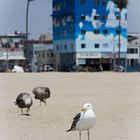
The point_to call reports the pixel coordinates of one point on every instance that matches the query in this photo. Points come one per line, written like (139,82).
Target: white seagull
(83,120)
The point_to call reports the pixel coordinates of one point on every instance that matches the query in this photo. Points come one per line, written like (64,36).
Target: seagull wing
(75,120)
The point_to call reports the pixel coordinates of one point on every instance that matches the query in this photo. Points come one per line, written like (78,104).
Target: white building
(43,55)
(11,51)
(133,50)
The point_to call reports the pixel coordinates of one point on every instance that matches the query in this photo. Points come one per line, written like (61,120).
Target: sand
(115,98)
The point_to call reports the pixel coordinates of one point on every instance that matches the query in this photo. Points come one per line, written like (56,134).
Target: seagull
(24,100)
(84,120)
(41,93)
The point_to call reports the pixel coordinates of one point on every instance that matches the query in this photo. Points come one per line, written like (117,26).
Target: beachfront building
(40,53)
(86,32)
(11,51)
(133,51)
(43,55)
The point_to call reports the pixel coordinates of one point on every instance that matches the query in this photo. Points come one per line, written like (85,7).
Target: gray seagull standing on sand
(83,120)
(41,93)
(24,100)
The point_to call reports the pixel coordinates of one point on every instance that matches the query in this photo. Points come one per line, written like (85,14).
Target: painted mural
(110,39)
(67,24)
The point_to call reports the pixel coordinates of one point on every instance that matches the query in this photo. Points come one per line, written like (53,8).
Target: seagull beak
(82,109)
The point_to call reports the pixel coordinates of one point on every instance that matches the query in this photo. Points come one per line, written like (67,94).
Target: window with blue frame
(83,32)
(83,45)
(96,31)
(97,45)
(82,1)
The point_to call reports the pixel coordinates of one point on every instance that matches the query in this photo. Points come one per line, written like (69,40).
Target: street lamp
(27,15)
(7,55)
(121,4)
(139,56)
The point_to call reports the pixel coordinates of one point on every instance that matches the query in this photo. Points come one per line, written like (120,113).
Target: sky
(13,15)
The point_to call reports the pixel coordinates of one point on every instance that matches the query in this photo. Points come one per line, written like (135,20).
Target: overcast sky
(12,16)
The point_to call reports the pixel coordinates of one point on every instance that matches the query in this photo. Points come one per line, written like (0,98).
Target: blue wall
(68,26)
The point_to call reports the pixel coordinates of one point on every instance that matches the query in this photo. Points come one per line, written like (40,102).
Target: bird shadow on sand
(24,115)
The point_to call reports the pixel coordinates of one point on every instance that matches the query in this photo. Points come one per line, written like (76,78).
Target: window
(47,54)
(118,31)
(83,31)
(72,46)
(43,55)
(83,17)
(35,52)
(57,34)
(105,31)
(35,63)
(39,55)
(64,4)
(30,53)
(65,33)
(71,32)
(105,45)
(96,17)
(16,44)
(61,47)
(104,2)
(82,1)
(96,45)
(65,46)
(132,50)
(136,50)
(96,31)
(83,45)
(57,47)
(96,2)
(117,17)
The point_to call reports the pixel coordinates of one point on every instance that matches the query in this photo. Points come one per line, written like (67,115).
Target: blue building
(86,33)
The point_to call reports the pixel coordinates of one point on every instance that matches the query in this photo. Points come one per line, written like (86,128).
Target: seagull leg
(79,135)
(27,110)
(21,111)
(88,135)
(40,102)
(45,101)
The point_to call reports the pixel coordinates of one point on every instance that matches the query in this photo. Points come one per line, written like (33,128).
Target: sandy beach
(115,98)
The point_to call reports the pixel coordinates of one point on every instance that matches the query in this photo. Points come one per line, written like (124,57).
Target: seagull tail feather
(69,130)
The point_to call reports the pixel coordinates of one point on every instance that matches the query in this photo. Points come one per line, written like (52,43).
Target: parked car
(119,68)
(47,68)
(1,69)
(17,69)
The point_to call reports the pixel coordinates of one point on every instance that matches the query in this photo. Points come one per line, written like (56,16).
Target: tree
(121,4)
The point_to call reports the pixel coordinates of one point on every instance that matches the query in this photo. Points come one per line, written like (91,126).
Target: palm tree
(121,4)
